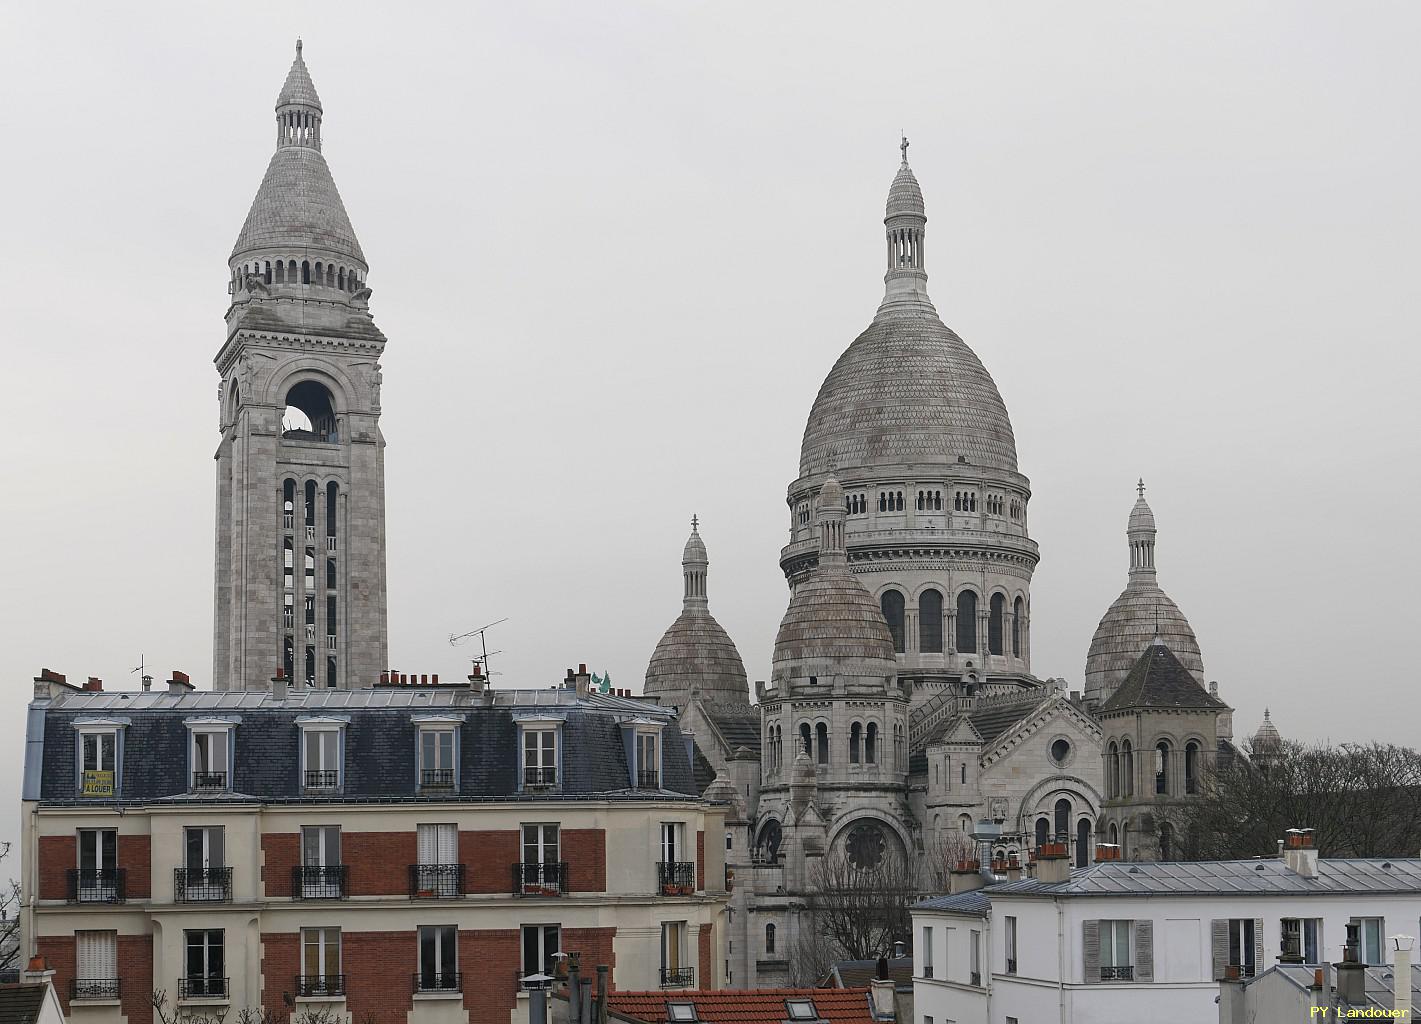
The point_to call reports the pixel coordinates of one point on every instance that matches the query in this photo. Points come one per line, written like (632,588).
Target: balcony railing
(1117,974)
(676,878)
(436,778)
(425,982)
(319,881)
(97,885)
(648,779)
(678,977)
(202,885)
(316,986)
(330,543)
(202,988)
(540,878)
(540,778)
(436,881)
(94,988)
(209,780)
(322,778)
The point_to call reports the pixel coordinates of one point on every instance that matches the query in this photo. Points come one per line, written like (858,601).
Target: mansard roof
(380,744)
(1158,680)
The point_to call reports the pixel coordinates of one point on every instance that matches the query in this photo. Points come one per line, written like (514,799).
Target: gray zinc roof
(1223,878)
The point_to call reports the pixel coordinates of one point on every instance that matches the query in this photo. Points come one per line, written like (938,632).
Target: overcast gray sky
(617,246)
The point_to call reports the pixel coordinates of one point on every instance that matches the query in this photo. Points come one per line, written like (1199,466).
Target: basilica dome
(695,653)
(1141,613)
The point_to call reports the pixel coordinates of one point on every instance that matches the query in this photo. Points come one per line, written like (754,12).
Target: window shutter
(97,955)
(629,745)
(1219,940)
(1090,947)
(1144,951)
(428,838)
(448,844)
(1258,961)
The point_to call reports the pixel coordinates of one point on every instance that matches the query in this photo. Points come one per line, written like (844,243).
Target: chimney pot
(581,669)
(435,677)
(384,678)
(94,684)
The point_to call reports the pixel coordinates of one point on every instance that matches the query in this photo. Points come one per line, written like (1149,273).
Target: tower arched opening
(310,413)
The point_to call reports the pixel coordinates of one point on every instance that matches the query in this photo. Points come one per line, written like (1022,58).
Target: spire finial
(903,146)
(1140,487)
(695,522)
(1265,714)
(298,47)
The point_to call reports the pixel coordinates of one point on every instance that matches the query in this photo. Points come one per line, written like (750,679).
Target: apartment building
(404,853)
(1128,941)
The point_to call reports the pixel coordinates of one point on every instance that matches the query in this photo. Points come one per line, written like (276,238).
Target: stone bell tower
(300,580)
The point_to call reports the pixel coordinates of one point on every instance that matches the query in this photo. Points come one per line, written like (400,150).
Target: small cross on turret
(1140,487)
(903,148)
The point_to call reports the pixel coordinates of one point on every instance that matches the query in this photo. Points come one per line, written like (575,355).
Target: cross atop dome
(1140,487)
(902,146)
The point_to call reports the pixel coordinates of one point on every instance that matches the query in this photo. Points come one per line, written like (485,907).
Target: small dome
(1267,740)
(695,549)
(904,195)
(696,652)
(1141,614)
(832,619)
(298,88)
(1141,517)
(831,495)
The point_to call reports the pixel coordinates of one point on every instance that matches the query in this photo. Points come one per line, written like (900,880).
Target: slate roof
(1380,984)
(858,973)
(296,206)
(21,1004)
(702,771)
(991,720)
(380,740)
(1269,877)
(1158,680)
(738,723)
(757,1006)
(974,902)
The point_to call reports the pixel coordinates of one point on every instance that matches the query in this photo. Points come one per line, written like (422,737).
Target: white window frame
(322,944)
(1009,935)
(674,949)
(1241,933)
(96,889)
(643,739)
(927,951)
(320,729)
(1377,925)
(442,741)
(113,731)
(211,727)
(546,955)
(95,962)
(1116,950)
(439,931)
(546,752)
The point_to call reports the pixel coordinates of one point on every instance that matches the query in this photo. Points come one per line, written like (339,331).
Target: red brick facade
(379,969)
(60,953)
(281,852)
(706,978)
(135,972)
(491,961)
(596,947)
(135,856)
(488,857)
(700,861)
(57,854)
(585,850)
(378,862)
(281,962)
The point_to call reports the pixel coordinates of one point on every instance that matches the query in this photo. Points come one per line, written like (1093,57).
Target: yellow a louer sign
(98,784)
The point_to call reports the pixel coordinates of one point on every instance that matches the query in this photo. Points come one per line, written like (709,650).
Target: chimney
(1351,974)
(1232,1008)
(584,681)
(604,978)
(147,681)
(1106,851)
(570,682)
(94,685)
(180,683)
(965,876)
(882,993)
(49,685)
(1013,867)
(278,684)
(1401,972)
(38,972)
(1053,861)
(1299,853)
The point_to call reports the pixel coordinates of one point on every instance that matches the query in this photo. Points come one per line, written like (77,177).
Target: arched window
(280,272)
(331,670)
(870,744)
(1018,608)
(1043,831)
(964,773)
(290,271)
(310,675)
(311,503)
(964,821)
(330,574)
(288,504)
(1083,843)
(286,657)
(1112,770)
(1191,768)
(897,748)
(930,622)
(821,735)
(967,622)
(310,413)
(769,938)
(994,624)
(804,735)
(305,271)
(1162,767)
(1127,769)
(1114,834)
(340,279)
(892,604)
(332,490)
(1063,817)
(1166,841)
(855,741)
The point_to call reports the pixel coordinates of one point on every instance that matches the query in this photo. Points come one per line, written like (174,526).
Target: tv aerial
(456,639)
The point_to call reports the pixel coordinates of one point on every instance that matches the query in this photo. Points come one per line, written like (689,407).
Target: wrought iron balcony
(436,778)
(97,885)
(648,778)
(209,780)
(1117,974)
(436,881)
(678,977)
(203,988)
(676,877)
(319,881)
(429,982)
(540,778)
(202,885)
(316,986)
(322,778)
(94,988)
(540,878)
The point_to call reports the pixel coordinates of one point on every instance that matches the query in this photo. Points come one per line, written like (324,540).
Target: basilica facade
(902,717)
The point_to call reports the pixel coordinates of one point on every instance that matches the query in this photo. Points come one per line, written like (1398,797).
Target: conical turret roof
(298,88)
(1158,680)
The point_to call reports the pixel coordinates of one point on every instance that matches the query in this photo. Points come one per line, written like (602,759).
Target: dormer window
(540,757)
(98,763)
(321,761)
(801,1009)
(211,751)
(436,758)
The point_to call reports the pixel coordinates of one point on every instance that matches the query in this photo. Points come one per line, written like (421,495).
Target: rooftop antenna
(143,675)
(455,639)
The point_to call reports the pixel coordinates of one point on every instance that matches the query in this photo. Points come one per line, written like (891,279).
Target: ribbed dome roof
(1127,630)
(297,206)
(695,549)
(696,652)
(298,87)
(831,617)
(908,390)
(1141,516)
(1267,739)
(904,195)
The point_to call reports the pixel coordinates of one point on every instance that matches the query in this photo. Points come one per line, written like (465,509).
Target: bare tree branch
(9,918)
(864,910)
